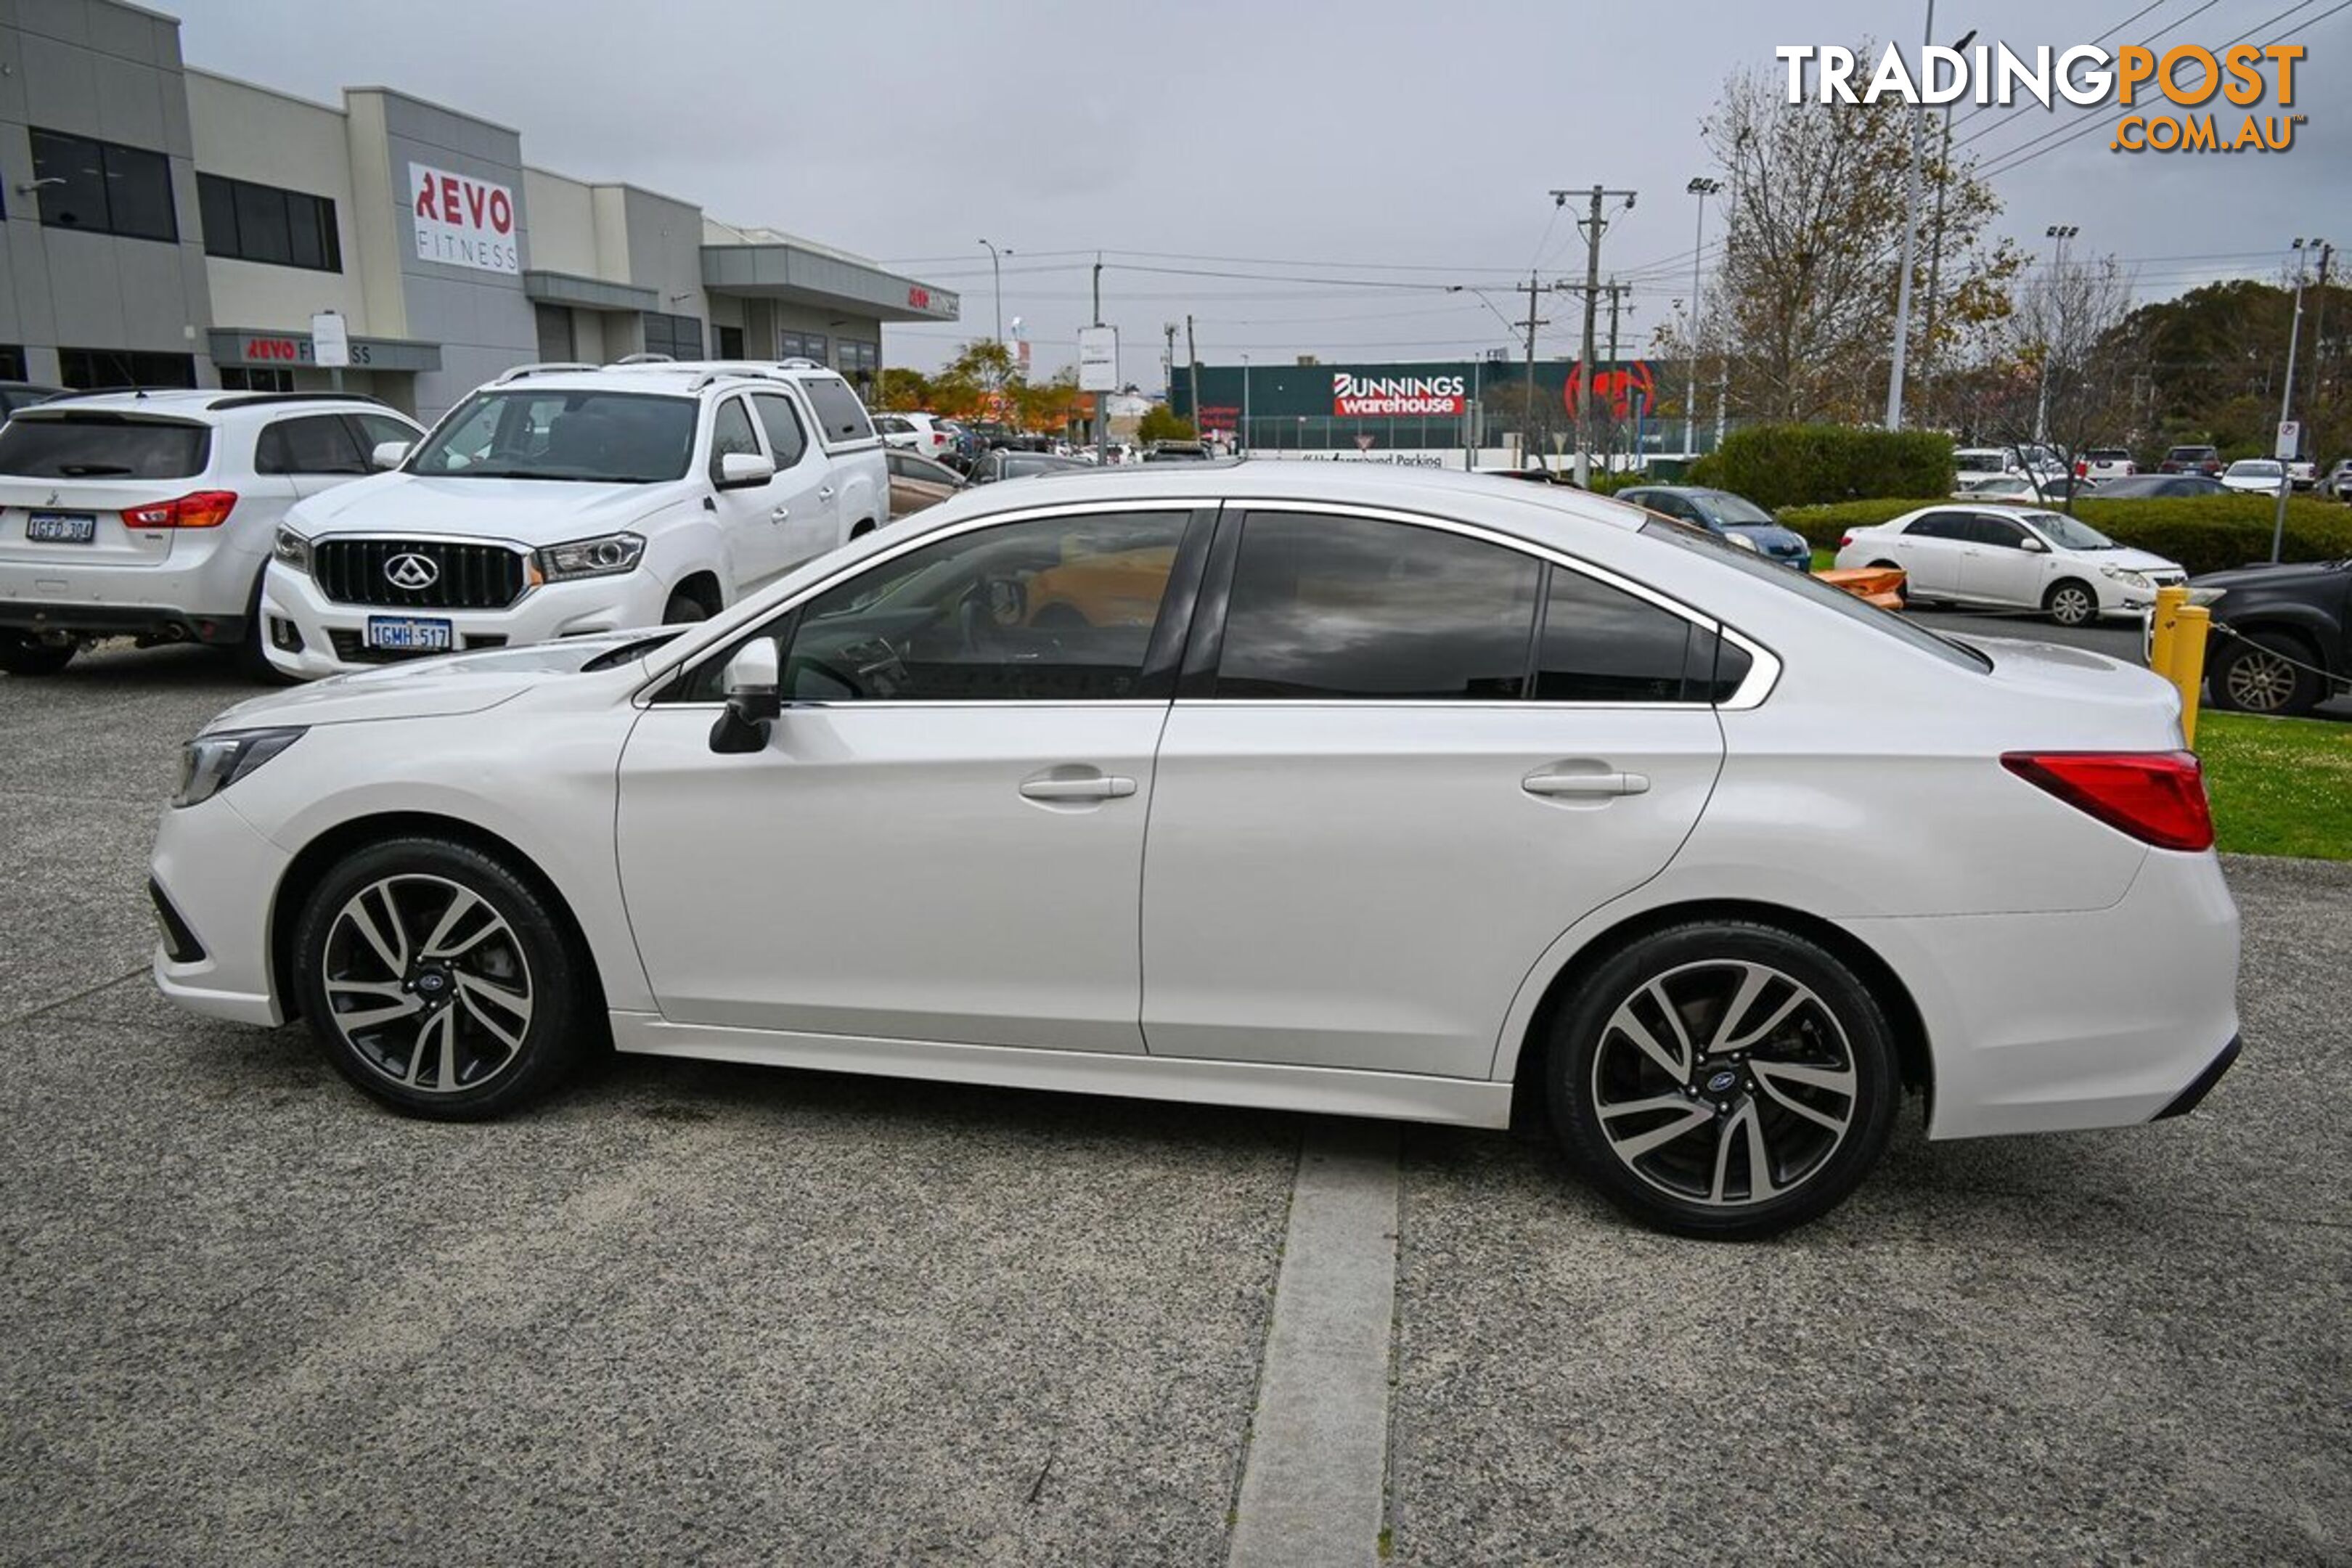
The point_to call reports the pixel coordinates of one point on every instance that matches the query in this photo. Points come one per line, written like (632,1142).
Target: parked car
(2303,473)
(150,514)
(559,500)
(2160,487)
(2206,460)
(2013,557)
(2105,463)
(2259,475)
(2283,635)
(1478,795)
(924,434)
(1178,452)
(1006,464)
(1982,463)
(1735,518)
(2033,488)
(917,483)
(16,395)
(2337,482)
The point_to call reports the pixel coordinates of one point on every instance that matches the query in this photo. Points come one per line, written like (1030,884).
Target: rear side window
(1357,609)
(315,444)
(838,413)
(1939,525)
(1601,644)
(103,445)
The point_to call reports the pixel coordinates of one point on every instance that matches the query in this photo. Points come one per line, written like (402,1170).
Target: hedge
(1798,465)
(2204,534)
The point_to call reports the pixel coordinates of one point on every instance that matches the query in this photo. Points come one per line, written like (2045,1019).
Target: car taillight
(201,508)
(1844,539)
(2082,469)
(2158,797)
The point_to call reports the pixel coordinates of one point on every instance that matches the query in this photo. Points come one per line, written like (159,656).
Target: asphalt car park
(695,1311)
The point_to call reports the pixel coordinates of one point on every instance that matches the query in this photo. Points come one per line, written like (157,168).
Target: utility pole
(1701,187)
(1527,415)
(1168,361)
(2318,326)
(1936,231)
(1595,226)
(1192,365)
(1102,399)
(2286,398)
(1910,252)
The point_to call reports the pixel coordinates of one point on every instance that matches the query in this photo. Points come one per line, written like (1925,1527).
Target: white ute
(562,500)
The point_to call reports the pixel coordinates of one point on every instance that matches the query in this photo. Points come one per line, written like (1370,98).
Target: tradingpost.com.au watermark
(2153,84)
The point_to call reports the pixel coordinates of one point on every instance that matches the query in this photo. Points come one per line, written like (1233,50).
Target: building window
(730,342)
(858,359)
(558,343)
(103,187)
(237,378)
(12,363)
(245,222)
(680,337)
(802,345)
(87,369)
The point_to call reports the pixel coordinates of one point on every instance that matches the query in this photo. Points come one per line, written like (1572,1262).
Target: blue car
(1734,517)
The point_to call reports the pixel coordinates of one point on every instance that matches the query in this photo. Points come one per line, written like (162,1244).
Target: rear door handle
(778,514)
(824,492)
(1100,788)
(1585,786)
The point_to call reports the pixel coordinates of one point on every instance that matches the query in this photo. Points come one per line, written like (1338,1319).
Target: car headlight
(210,763)
(2125,575)
(290,549)
(607,556)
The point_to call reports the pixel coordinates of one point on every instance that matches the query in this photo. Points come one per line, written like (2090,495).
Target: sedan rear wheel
(437,981)
(1724,1079)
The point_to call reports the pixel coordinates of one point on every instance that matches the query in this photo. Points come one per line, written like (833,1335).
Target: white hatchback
(1316,786)
(2012,557)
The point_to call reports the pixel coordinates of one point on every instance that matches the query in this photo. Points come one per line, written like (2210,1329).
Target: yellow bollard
(2187,671)
(2163,625)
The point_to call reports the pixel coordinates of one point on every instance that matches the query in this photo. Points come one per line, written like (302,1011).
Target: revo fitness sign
(461,221)
(1396,395)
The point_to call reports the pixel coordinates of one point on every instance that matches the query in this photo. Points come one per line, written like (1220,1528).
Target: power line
(2001,125)
(2102,38)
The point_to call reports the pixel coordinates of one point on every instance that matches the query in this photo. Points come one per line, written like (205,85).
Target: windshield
(103,445)
(2067,533)
(1814,588)
(582,437)
(2254,468)
(1730,508)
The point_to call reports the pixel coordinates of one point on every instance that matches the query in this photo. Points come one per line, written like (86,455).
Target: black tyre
(1723,1080)
(23,655)
(2262,672)
(683,607)
(2071,602)
(439,981)
(252,654)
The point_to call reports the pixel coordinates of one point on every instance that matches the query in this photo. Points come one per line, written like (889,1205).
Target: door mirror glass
(389,454)
(742,471)
(752,703)
(2032,546)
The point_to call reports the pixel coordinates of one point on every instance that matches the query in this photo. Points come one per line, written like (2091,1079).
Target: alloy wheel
(1726,1083)
(427,983)
(2259,681)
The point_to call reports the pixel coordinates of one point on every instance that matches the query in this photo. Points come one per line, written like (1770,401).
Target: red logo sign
(1626,389)
(918,299)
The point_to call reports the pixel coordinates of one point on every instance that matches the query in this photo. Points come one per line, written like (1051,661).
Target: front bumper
(215,872)
(309,636)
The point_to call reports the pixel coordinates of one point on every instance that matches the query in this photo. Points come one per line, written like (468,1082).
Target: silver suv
(150,514)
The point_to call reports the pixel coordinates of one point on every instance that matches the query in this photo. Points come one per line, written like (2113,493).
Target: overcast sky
(1316,143)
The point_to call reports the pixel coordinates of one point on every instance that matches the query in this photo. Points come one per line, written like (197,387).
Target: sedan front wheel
(437,981)
(1724,1079)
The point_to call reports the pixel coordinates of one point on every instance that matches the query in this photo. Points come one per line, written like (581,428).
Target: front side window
(103,187)
(584,438)
(1996,532)
(1357,609)
(787,442)
(1050,610)
(730,432)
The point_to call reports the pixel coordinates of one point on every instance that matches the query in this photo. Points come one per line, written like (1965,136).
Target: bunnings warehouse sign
(1400,404)
(1388,396)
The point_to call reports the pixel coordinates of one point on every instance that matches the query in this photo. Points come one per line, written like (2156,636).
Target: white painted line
(1312,1486)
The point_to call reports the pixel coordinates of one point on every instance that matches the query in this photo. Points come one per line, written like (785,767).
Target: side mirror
(389,454)
(751,683)
(2033,546)
(742,470)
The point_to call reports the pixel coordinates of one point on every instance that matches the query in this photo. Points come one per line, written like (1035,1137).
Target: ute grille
(466,577)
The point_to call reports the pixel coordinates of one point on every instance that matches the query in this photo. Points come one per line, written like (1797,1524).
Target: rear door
(1931,553)
(806,511)
(66,480)
(1405,757)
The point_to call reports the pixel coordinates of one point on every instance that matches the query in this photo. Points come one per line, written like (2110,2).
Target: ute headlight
(290,549)
(210,763)
(607,556)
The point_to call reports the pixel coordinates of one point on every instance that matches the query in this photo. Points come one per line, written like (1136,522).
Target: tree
(1803,305)
(2073,368)
(902,388)
(974,383)
(1160,423)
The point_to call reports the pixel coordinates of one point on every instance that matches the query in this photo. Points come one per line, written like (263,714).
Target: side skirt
(1334,1091)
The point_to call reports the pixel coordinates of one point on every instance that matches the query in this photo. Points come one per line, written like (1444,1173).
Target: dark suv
(2279,635)
(2206,460)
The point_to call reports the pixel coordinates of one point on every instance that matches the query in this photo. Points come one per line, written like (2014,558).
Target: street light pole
(1701,187)
(2286,398)
(2062,233)
(997,273)
(1243,436)
(1910,254)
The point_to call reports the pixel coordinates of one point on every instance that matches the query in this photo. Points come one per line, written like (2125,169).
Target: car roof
(183,402)
(674,378)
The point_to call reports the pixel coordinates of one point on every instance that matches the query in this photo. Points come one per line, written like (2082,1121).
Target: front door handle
(1585,786)
(778,514)
(824,492)
(1102,786)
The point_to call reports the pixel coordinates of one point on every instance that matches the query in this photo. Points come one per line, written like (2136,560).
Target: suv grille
(464,576)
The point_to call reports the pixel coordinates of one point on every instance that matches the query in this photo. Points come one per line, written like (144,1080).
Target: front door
(1390,794)
(943,837)
(1999,569)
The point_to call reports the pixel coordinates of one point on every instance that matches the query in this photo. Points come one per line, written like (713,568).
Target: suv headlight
(291,549)
(210,763)
(607,556)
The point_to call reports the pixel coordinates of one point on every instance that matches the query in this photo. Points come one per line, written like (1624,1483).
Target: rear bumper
(150,623)
(2188,1099)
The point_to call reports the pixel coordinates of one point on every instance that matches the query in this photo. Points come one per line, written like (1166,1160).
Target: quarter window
(1355,609)
(103,187)
(1050,610)
(839,415)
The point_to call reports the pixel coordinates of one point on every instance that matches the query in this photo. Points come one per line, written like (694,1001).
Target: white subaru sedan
(1314,786)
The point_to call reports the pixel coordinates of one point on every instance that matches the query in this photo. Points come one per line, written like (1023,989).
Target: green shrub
(2204,534)
(1798,465)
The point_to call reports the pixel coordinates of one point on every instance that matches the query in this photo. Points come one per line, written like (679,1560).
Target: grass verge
(2279,787)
